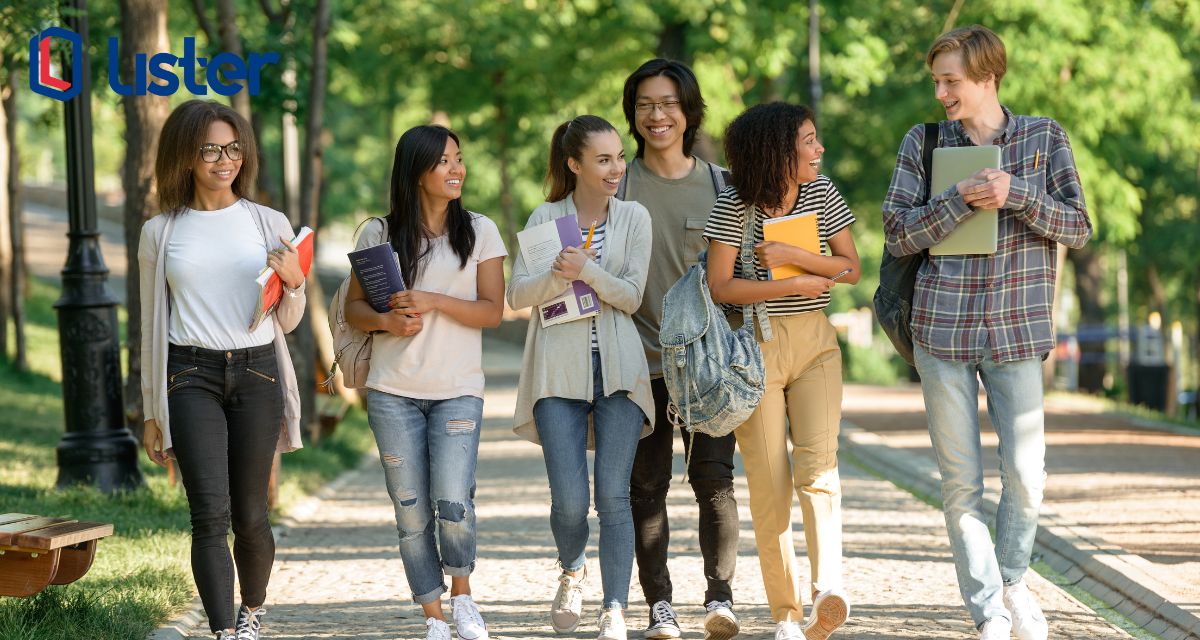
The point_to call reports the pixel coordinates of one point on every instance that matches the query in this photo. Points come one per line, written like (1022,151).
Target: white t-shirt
(445,359)
(213,259)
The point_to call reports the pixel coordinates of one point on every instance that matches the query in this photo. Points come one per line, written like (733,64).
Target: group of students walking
(222,400)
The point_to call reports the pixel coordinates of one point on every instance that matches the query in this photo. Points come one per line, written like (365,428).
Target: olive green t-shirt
(678,211)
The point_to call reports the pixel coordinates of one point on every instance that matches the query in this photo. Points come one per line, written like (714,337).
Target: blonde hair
(982,52)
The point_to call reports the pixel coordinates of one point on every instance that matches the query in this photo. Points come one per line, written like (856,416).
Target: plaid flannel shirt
(969,305)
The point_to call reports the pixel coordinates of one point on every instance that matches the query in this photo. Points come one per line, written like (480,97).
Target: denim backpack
(713,374)
(898,276)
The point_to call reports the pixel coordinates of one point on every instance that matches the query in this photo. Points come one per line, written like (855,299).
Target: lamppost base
(107,460)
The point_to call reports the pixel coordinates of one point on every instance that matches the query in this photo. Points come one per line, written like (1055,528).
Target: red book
(270,285)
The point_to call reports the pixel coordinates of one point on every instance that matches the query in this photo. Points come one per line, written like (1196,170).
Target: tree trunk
(814,59)
(672,42)
(1089,283)
(312,336)
(504,143)
(16,224)
(231,41)
(143,30)
(5,220)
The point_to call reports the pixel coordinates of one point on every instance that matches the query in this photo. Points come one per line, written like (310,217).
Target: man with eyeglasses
(664,108)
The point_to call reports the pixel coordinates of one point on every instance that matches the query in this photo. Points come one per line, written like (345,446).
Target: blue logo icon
(41,78)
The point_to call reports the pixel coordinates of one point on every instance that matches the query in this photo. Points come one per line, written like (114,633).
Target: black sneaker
(663,621)
(248,623)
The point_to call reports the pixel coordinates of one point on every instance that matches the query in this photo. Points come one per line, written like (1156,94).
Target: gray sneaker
(663,622)
(248,623)
(567,607)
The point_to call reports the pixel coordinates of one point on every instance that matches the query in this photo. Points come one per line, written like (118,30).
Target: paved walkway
(338,574)
(1133,487)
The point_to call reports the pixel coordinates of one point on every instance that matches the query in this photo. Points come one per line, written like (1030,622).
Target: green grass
(141,576)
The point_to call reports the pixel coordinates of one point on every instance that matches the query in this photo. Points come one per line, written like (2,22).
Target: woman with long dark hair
(585,384)
(775,157)
(425,398)
(219,398)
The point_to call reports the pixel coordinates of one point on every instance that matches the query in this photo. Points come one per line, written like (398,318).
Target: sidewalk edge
(1072,550)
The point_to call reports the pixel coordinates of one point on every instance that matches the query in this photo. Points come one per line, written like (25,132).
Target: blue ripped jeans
(429,449)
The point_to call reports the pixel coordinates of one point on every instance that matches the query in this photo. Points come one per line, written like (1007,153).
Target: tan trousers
(802,403)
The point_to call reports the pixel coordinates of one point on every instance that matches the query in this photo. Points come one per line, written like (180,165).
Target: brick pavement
(338,574)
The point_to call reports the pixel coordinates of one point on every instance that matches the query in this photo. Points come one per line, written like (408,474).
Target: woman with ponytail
(425,398)
(585,384)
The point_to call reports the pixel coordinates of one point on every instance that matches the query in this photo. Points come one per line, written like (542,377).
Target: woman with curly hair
(775,158)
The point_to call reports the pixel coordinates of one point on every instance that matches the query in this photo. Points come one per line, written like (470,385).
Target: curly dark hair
(760,146)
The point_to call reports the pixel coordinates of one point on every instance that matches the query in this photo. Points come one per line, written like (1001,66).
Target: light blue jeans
(1014,401)
(562,426)
(429,449)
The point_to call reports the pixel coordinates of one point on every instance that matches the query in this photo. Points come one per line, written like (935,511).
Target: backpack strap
(720,177)
(757,309)
(932,133)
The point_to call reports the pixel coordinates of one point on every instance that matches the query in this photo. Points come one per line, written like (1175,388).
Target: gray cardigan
(156,312)
(558,361)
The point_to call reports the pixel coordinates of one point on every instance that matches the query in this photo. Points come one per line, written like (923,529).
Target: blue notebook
(378,271)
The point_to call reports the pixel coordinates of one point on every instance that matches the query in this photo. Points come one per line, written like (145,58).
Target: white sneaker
(1027,618)
(788,630)
(612,625)
(663,622)
(437,629)
(568,602)
(829,612)
(468,622)
(995,629)
(719,622)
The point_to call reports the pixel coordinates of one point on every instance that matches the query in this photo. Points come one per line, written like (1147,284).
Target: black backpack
(898,276)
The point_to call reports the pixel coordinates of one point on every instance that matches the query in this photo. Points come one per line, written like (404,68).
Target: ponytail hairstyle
(418,153)
(569,141)
(760,146)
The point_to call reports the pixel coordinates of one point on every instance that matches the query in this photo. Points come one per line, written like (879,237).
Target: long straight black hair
(418,153)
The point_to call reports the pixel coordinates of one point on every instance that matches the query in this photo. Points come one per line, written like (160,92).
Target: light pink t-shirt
(445,359)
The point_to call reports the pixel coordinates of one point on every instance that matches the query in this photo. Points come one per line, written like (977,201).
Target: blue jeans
(562,426)
(1014,401)
(429,449)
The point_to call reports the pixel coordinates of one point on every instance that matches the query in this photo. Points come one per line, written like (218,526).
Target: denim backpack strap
(758,309)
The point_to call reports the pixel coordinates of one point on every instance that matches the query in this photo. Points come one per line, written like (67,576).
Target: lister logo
(41,78)
(156,74)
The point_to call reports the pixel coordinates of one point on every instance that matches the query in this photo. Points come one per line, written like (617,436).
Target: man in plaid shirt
(987,315)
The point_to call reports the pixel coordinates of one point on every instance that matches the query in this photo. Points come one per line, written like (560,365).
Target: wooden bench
(36,551)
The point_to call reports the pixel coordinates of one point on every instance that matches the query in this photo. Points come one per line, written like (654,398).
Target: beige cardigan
(558,360)
(156,300)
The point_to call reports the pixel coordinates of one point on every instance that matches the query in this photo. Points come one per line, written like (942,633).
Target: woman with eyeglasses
(218,397)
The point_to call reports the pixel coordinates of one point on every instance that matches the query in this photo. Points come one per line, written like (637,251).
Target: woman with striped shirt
(585,384)
(803,395)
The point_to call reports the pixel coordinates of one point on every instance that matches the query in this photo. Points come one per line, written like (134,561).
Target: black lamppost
(96,449)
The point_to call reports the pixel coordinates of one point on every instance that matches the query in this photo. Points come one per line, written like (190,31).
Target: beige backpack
(351,347)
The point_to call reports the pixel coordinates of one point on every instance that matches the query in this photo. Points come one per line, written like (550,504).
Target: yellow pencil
(1037,156)
(591,230)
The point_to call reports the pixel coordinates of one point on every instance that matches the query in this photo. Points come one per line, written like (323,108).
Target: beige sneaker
(830,610)
(568,602)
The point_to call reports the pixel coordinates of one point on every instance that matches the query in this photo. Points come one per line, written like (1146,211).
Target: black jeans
(226,408)
(711,475)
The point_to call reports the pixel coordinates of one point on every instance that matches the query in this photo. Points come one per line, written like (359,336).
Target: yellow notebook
(798,230)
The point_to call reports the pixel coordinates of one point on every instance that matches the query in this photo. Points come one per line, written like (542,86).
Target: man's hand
(987,189)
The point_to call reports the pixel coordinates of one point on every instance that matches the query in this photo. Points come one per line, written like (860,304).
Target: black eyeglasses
(212,152)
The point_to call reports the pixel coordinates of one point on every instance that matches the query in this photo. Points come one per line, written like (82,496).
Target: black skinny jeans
(226,408)
(711,476)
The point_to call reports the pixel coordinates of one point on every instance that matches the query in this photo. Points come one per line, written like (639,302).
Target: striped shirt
(965,306)
(598,245)
(819,196)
